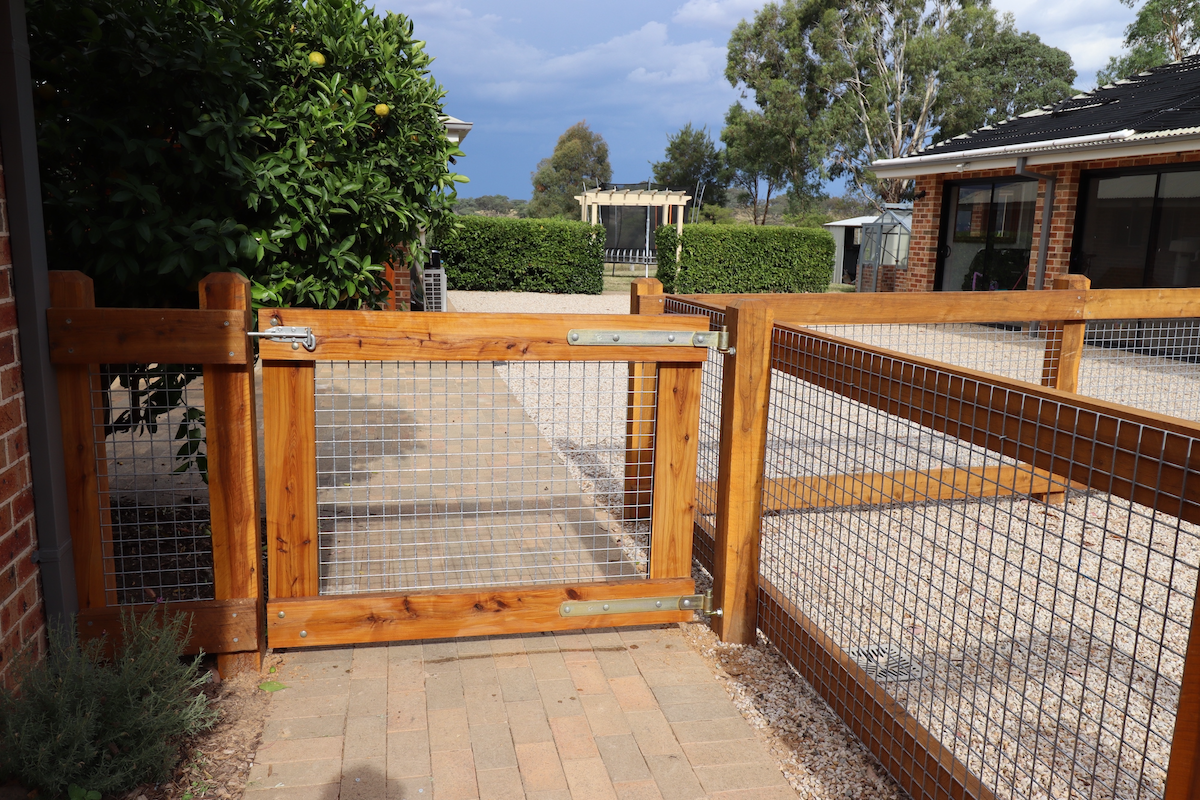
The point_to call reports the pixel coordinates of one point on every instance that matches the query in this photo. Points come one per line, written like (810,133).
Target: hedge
(719,259)
(497,254)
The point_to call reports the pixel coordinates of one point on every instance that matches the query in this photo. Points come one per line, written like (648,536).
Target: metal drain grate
(885,663)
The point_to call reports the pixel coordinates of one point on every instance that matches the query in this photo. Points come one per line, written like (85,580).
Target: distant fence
(990,579)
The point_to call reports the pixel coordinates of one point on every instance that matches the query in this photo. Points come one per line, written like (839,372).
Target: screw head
(658,604)
(70,349)
(235,640)
(295,345)
(225,323)
(566,610)
(670,337)
(281,615)
(235,614)
(616,337)
(303,634)
(606,606)
(231,354)
(574,336)
(68,320)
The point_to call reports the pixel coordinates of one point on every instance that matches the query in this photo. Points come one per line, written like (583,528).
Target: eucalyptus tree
(1162,31)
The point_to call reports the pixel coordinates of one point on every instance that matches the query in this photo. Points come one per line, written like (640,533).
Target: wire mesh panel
(710,434)
(468,474)
(1012,350)
(1152,364)
(153,491)
(1040,645)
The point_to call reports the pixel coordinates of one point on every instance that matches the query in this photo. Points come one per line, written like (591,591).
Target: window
(986,236)
(1140,230)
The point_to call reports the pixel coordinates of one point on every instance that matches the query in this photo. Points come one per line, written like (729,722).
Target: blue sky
(636,70)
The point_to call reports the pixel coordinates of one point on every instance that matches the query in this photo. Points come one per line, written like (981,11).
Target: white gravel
(536,303)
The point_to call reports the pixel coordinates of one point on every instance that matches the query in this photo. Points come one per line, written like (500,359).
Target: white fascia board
(1141,147)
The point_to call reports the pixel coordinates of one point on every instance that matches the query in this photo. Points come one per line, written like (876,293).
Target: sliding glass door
(986,236)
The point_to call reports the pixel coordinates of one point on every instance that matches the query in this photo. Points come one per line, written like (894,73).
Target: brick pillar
(22,622)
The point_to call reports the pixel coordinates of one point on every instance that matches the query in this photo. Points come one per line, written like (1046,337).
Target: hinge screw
(606,606)
(566,609)
(670,337)
(616,337)
(574,336)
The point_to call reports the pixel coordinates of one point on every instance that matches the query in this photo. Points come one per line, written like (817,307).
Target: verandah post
(745,395)
(231,435)
(645,297)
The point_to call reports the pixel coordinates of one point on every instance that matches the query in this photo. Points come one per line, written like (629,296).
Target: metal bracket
(289,333)
(596,338)
(700,603)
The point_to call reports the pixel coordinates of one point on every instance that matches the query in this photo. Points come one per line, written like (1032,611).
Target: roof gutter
(882,166)
(1047,212)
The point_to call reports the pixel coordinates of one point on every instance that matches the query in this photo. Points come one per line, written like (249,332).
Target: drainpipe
(31,287)
(1039,282)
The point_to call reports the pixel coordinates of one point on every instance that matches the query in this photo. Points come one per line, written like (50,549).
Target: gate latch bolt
(289,333)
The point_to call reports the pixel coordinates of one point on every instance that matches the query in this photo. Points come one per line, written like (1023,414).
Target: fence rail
(990,578)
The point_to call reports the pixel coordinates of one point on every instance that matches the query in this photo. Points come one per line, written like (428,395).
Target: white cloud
(1090,30)
(721,14)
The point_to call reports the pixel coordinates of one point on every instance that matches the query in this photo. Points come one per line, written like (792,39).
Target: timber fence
(989,577)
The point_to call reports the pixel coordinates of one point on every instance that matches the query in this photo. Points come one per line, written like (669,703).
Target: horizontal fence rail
(991,580)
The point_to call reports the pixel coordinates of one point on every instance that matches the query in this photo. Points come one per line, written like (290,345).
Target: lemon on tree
(382,110)
(316,59)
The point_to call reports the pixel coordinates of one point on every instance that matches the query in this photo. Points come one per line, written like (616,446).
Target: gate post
(231,433)
(745,395)
(645,297)
(1060,366)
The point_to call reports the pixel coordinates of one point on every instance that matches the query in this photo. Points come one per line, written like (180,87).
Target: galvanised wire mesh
(710,434)
(468,474)
(1011,349)
(1153,364)
(153,494)
(1041,645)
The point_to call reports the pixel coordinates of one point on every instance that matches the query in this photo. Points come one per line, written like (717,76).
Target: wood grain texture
(432,614)
(745,394)
(142,335)
(289,422)
(1148,458)
(232,444)
(923,308)
(1070,347)
(218,626)
(1183,770)
(639,411)
(84,456)
(675,453)
(908,751)
(405,336)
(1141,303)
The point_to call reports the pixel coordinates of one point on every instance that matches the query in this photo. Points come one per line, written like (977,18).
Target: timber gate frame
(296,613)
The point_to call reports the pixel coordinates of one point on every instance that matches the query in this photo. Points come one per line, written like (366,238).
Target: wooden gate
(380,428)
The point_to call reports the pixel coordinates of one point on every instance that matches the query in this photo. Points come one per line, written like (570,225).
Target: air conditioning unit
(435,284)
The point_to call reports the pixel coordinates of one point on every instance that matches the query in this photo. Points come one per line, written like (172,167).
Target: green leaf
(271,686)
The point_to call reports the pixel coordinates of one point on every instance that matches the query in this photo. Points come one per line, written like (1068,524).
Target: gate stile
(299,615)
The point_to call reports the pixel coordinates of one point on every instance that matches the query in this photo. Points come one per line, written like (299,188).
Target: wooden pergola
(592,199)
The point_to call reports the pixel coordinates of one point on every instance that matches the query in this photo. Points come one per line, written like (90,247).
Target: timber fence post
(1183,767)
(745,396)
(645,297)
(84,455)
(231,433)
(1064,341)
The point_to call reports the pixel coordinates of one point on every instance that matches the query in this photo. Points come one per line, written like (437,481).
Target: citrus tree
(298,143)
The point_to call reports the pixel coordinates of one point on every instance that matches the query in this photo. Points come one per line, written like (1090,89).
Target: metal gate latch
(700,603)
(718,340)
(289,333)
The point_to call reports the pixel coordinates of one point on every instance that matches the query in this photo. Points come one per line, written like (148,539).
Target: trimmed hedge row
(720,259)
(498,254)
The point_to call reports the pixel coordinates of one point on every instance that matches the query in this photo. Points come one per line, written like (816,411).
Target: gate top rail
(172,335)
(1051,305)
(371,336)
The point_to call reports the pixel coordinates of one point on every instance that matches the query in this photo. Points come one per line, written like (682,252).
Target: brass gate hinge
(700,603)
(719,340)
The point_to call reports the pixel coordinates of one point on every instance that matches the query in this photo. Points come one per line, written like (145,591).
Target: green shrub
(104,725)
(497,254)
(744,258)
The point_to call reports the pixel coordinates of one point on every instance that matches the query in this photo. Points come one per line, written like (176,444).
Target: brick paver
(621,714)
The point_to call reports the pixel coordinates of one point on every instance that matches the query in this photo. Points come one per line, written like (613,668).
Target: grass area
(620,284)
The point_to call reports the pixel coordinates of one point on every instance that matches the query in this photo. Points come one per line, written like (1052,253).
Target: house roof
(1149,111)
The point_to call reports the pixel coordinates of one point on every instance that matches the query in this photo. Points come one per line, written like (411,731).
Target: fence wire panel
(1012,350)
(1153,364)
(153,494)
(461,474)
(707,463)
(1042,645)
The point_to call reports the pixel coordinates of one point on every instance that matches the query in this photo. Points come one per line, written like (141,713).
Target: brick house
(1121,165)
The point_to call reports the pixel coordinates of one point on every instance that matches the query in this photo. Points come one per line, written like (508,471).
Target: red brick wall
(22,623)
(927,213)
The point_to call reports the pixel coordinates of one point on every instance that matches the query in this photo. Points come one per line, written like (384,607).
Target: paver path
(630,713)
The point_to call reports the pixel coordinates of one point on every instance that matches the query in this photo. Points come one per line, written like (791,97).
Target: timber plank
(924,767)
(232,437)
(405,336)
(1138,455)
(745,396)
(148,335)
(427,614)
(640,407)
(1142,303)
(289,422)
(676,450)
(218,626)
(926,308)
